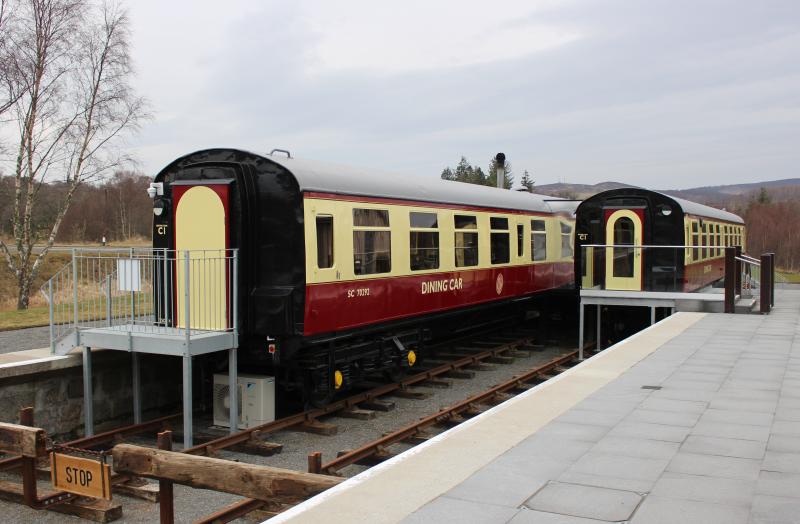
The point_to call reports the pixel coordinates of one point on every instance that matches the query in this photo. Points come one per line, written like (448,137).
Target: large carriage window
(538,240)
(372,242)
(324,241)
(520,240)
(695,241)
(623,256)
(499,240)
(566,240)
(424,241)
(719,241)
(466,241)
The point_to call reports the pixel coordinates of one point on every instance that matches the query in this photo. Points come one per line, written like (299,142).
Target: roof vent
(284,151)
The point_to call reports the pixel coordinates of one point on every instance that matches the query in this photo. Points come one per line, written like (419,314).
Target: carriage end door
(201,223)
(624,227)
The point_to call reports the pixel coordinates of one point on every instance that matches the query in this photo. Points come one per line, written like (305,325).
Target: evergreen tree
(447,174)
(526,182)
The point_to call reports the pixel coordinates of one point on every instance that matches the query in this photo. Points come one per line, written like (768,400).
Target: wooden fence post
(315,462)
(29,491)
(165,495)
(764,285)
(739,268)
(730,280)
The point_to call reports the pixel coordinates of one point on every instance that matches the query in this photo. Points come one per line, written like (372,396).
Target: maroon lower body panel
(344,305)
(701,274)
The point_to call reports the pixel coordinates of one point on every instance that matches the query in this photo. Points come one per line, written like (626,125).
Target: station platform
(694,420)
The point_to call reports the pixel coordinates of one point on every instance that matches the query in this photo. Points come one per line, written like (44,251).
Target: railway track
(468,356)
(377,451)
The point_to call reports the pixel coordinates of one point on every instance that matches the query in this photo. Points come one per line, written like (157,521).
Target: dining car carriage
(345,272)
(633,239)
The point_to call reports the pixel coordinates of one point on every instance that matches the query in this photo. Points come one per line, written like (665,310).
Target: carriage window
(466,241)
(566,240)
(623,256)
(520,240)
(704,241)
(538,240)
(499,242)
(695,241)
(372,245)
(711,241)
(324,241)
(424,241)
(370,218)
(719,241)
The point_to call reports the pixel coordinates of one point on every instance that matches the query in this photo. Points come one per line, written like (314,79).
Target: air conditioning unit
(256,400)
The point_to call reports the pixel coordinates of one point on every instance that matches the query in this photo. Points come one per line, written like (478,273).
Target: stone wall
(56,393)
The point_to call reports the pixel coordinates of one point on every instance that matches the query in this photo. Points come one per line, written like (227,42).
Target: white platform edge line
(299,509)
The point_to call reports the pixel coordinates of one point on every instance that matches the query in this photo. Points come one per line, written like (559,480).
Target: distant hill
(724,194)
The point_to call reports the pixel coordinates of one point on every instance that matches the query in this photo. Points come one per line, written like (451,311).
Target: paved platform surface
(694,420)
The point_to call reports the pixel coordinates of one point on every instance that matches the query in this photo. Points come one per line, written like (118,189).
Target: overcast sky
(660,93)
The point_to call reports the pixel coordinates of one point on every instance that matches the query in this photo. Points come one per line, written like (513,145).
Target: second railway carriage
(629,217)
(343,271)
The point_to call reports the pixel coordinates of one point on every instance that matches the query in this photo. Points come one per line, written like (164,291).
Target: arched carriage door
(624,227)
(201,228)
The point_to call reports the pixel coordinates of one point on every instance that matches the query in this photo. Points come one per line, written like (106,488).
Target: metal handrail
(144,290)
(651,246)
(749,260)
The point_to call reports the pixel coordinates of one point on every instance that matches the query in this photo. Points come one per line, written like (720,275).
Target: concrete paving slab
(783,462)
(529,516)
(649,431)
(607,481)
(669,418)
(774,510)
(715,466)
(585,501)
(678,406)
(636,447)
(456,511)
(783,443)
(573,431)
(786,427)
(729,430)
(663,510)
(726,447)
(620,466)
(778,484)
(716,490)
(753,418)
(783,413)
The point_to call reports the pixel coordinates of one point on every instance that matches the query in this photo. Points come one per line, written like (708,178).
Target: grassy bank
(38,312)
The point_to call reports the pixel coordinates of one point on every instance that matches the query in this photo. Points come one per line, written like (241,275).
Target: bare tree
(76,105)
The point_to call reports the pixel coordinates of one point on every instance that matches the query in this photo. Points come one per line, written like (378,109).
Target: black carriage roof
(687,206)
(347,180)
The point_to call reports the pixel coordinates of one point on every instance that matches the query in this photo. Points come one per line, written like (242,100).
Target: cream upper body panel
(399,225)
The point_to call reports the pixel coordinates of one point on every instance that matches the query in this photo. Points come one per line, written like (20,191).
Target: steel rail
(401,434)
(226,441)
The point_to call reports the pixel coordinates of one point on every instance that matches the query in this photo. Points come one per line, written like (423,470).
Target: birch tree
(75,107)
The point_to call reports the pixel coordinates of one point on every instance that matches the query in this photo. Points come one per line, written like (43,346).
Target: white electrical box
(256,400)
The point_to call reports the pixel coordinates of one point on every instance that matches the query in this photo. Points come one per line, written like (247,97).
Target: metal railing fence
(144,290)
